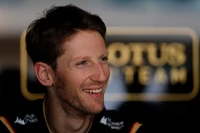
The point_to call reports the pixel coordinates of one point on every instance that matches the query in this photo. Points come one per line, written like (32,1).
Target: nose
(100,73)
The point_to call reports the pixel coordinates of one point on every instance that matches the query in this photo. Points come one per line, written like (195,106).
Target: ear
(44,73)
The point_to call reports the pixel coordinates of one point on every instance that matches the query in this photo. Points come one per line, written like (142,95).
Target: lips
(93,91)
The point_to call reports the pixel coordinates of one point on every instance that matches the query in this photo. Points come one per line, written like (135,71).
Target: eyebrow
(87,57)
(106,53)
(80,57)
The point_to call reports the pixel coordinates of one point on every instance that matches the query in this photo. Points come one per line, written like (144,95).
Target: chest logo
(27,119)
(117,125)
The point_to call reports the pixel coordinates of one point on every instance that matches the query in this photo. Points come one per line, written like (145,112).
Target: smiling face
(82,73)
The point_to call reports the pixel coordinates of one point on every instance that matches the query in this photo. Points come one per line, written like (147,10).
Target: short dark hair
(46,35)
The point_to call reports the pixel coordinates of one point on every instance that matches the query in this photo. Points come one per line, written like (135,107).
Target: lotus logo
(28,118)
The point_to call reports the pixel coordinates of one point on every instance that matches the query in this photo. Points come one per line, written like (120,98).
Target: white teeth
(94,91)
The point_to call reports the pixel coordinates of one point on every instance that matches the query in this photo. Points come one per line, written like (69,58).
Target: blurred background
(154,57)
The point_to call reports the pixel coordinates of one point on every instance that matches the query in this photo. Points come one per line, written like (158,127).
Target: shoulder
(114,121)
(28,111)
(27,116)
(5,126)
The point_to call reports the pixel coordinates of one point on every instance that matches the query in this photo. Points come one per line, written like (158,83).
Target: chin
(96,110)
(94,107)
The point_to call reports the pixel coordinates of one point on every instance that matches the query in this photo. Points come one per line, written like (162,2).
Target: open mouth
(94,91)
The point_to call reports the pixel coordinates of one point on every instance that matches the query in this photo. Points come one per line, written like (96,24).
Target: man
(67,47)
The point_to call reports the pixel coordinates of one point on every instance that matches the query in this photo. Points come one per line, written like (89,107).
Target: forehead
(85,40)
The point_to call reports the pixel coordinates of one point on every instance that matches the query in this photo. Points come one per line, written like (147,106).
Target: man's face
(82,73)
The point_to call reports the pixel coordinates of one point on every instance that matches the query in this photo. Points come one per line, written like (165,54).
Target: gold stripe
(135,127)
(7,124)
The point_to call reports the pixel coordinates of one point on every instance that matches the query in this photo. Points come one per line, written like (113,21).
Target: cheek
(75,79)
(107,71)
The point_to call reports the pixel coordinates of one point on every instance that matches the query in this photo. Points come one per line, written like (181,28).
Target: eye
(104,59)
(81,63)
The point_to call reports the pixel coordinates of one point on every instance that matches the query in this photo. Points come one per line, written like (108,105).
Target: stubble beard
(72,103)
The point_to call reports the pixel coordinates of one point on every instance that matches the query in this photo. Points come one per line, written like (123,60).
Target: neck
(58,120)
